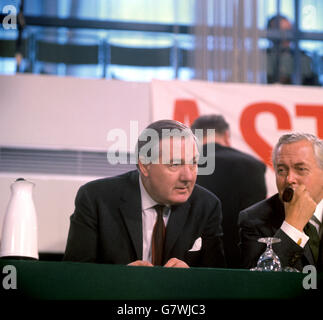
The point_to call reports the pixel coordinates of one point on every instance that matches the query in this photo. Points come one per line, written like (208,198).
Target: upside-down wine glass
(268,261)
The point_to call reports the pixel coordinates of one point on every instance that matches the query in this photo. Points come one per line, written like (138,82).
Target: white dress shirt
(149,218)
(300,237)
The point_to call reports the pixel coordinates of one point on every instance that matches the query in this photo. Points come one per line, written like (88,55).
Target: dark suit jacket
(239,181)
(264,219)
(106,226)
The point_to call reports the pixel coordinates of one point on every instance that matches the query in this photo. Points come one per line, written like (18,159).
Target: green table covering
(88,281)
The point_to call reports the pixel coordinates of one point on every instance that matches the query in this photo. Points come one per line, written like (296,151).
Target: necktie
(314,240)
(158,237)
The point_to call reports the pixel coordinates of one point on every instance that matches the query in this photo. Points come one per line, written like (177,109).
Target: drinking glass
(290,269)
(268,261)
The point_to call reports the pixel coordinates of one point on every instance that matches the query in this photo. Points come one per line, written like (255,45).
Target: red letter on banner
(312,111)
(248,127)
(185,111)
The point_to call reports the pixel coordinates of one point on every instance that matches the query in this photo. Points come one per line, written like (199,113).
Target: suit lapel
(175,225)
(320,259)
(131,212)
(278,212)
(308,254)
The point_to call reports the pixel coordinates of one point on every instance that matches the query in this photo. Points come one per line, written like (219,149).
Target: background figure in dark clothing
(281,62)
(238,180)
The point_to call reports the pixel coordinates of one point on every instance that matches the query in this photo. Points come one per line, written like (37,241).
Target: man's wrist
(295,234)
(296,224)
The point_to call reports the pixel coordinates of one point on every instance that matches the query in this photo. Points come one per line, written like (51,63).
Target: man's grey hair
(155,132)
(295,137)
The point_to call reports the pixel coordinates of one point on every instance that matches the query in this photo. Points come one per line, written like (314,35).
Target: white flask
(19,230)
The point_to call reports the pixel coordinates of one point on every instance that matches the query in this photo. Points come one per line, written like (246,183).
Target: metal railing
(180,56)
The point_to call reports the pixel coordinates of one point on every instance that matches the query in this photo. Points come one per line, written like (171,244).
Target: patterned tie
(158,237)
(314,240)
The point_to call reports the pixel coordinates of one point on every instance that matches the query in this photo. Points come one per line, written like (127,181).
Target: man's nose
(291,178)
(187,174)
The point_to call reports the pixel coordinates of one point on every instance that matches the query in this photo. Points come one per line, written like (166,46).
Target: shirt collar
(318,213)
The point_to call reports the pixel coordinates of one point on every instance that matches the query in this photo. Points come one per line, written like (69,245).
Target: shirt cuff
(297,236)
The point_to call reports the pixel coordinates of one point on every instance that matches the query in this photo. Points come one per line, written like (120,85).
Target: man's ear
(144,168)
(227,138)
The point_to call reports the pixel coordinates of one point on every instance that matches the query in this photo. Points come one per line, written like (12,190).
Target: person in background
(281,58)
(238,180)
(155,215)
(298,164)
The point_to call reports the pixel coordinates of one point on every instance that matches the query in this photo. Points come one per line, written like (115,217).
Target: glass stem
(269,246)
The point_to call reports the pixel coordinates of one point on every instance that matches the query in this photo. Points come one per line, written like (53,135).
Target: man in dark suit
(238,179)
(281,58)
(116,220)
(298,164)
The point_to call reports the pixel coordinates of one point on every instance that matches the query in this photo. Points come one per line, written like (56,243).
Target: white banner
(257,114)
